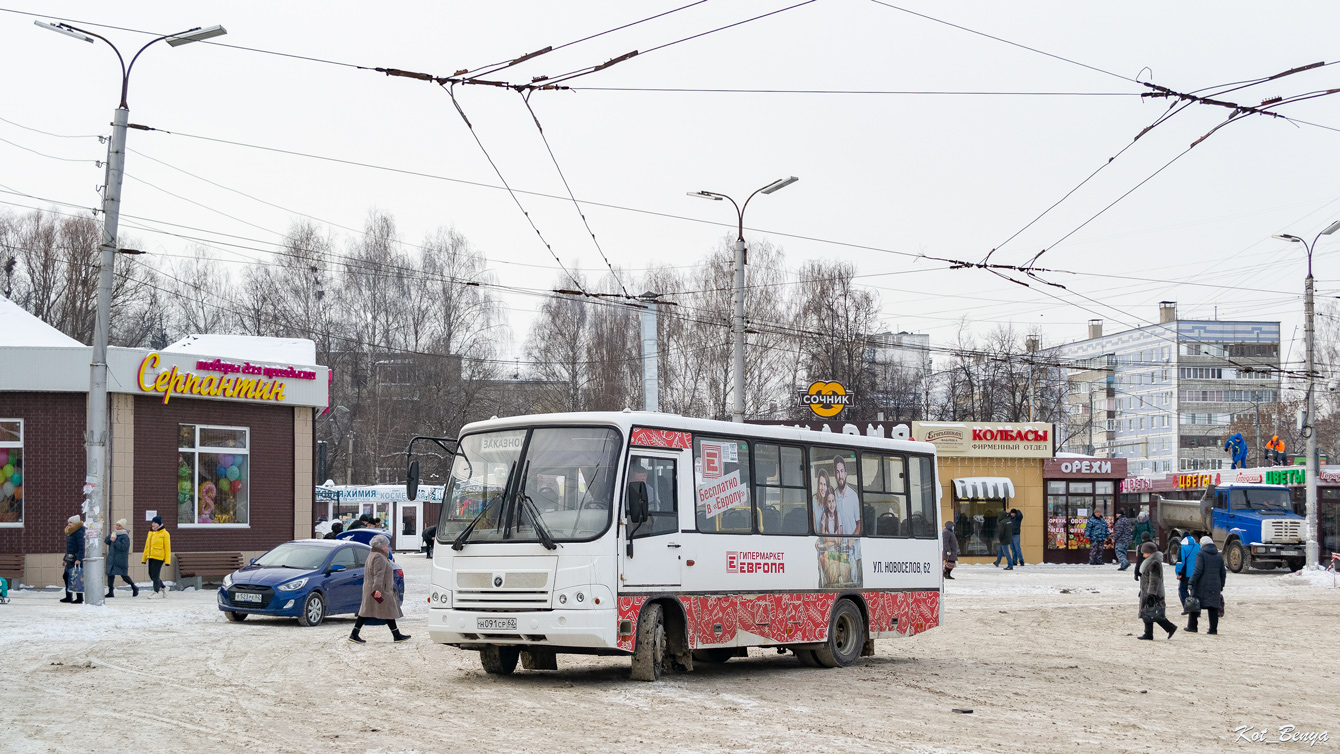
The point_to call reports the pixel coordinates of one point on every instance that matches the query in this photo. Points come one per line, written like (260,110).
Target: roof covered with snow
(294,351)
(20,329)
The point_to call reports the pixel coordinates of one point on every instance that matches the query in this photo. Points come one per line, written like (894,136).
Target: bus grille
(519,590)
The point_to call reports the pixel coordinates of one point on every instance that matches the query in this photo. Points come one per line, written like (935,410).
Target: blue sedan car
(306,579)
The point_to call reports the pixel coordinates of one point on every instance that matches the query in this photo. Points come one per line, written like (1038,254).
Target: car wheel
(313,610)
(846,636)
(649,655)
(1235,557)
(499,660)
(236,617)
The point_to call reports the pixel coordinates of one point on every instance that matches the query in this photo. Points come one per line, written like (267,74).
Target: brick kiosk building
(214,434)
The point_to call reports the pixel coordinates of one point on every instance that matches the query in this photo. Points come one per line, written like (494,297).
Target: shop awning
(984,488)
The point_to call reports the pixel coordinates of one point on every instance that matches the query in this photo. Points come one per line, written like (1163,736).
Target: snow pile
(293,351)
(1317,577)
(19,329)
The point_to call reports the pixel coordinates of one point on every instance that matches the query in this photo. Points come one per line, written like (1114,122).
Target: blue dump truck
(1253,524)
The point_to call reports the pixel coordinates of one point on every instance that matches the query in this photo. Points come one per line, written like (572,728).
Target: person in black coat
(74,556)
(336,529)
(1004,535)
(1140,553)
(1207,585)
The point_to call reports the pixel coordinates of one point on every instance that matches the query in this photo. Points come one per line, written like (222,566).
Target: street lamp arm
(125,70)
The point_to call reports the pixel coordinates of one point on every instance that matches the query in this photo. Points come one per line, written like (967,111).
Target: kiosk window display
(979,505)
(213,472)
(11,472)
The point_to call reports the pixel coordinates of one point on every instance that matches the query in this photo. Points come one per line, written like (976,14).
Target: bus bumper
(588,629)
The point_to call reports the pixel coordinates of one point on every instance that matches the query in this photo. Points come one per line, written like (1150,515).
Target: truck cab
(1252,524)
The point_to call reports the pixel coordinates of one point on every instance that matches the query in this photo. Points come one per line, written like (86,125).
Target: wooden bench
(11,568)
(193,566)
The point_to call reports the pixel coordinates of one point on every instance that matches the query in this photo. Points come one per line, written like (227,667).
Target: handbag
(77,579)
(1192,604)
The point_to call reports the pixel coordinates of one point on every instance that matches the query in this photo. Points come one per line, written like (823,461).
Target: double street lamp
(95,436)
(737,323)
(1310,426)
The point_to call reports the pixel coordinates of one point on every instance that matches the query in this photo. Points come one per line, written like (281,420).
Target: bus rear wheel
(846,636)
(649,654)
(498,660)
(807,658)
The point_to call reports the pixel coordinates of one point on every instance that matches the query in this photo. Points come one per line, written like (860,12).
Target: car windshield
(305,557)
(566,479)
(1261,500)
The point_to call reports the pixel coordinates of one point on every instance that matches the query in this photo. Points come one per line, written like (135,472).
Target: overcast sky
(884,177)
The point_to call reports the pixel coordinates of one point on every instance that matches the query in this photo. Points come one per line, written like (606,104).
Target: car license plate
(246,597)
(495,624)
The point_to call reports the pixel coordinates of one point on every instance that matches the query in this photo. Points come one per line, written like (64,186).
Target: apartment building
(1162,396)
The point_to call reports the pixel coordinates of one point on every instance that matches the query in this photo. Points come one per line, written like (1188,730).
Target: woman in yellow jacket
(157,553)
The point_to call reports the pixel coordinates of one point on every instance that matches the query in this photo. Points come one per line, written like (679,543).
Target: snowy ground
(1044,656)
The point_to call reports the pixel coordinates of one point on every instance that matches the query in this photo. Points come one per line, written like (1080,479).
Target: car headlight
(227,581)
(292,585)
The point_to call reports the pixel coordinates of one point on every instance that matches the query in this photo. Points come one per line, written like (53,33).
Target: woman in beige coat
(379,598)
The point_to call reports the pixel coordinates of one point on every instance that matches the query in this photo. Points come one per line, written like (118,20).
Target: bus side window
(780,490)
(922,483)
(883,479)
(721,480)
(662,503)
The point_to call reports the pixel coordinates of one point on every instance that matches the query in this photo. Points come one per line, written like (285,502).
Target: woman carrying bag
(74,561)
(157,553)
(379,598)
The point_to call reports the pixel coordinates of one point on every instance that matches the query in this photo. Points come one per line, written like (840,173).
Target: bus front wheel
(498,660)
(649,654)
(846,636)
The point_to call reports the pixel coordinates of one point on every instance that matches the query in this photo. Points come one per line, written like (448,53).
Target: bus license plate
(246,597)
(495,624)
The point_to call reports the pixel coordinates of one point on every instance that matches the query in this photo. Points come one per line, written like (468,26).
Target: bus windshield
(566,479)
(1261,500)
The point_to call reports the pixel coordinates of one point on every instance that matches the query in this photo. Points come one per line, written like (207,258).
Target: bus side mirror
(412,483)
(637,502)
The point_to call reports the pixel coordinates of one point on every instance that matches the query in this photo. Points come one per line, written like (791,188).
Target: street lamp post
(95,436)
(737,324)
(1310,426)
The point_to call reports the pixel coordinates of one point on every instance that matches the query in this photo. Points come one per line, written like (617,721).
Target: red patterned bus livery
(682,543)
(660,438)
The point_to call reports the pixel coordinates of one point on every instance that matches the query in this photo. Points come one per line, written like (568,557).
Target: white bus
(678,540)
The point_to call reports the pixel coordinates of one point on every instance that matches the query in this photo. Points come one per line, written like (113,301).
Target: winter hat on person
(949,525)
(158,520)
(1206,541)
(380,542)
(121,522)
(72,520)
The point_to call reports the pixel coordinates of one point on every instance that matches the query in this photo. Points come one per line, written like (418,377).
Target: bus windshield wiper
(458,544)
(536,518)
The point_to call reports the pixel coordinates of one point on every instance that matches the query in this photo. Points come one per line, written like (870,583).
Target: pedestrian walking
(1186,563)
(1140,553)
(1142,526)
(1207,585)
(157,553)
(118,558)
(73,575)
(379,597)
(1122,531)
(1004,536)
(1017,522)
(949,545)
(1151,592)
(1096,531)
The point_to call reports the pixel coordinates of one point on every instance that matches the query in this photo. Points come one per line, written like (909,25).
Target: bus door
(656,559)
